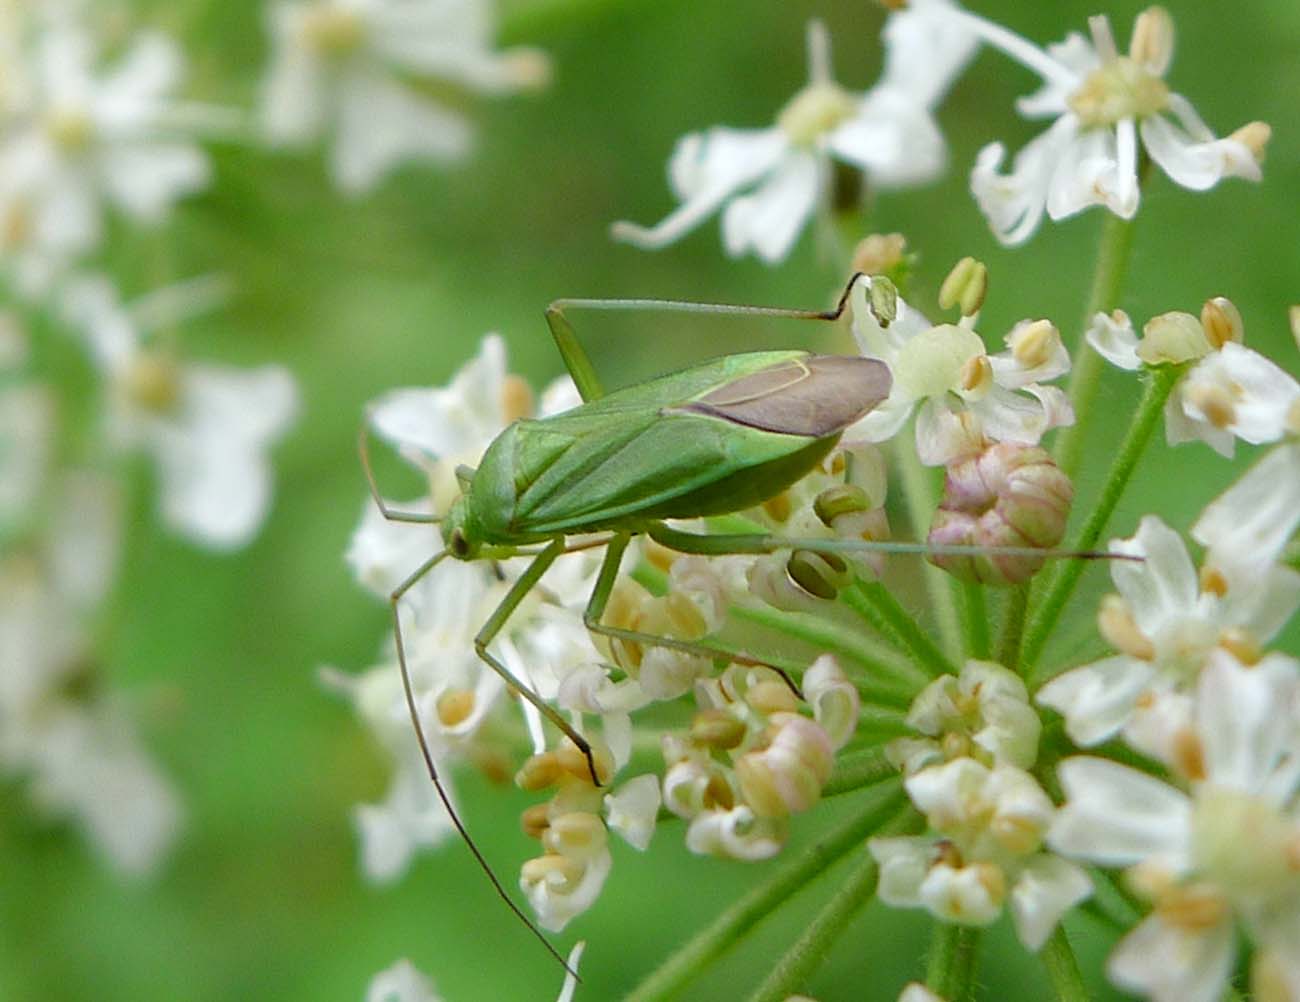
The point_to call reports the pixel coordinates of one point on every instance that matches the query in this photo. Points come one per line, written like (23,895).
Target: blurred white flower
(403,982)
(986,850)
(1167,622)
(79,138)
(27,426)
(357,70)
(1220,853)
(1250,523)
(1102,102)
(771,179)
(208,427)
(966,397)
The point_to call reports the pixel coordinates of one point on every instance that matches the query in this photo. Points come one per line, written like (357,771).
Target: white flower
(1102,102)
(561,887)
(353,69)
(1250,523)
(209,427)
(27,424)
(966,397)
(82,138)
(984,713)
(1241,756)
(989,826)
(1166,621)
(402,982)
(633,809)
(737,833)
(917,992)
(771,179)
(1233,393)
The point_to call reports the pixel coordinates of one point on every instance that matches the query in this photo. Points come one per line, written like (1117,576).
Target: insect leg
(394,599)
(584,373)
(591,618)
(391,514)
(497,621)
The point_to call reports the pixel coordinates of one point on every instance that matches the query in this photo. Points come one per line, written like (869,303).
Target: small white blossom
(1250,523)
(966,398)
(986,852)
(737,833)
(771,180)
(209,427)
(1233,393)
(561,887)
(354,70)
(1101,101)
(984,713)
(402,982)
(633,809)
(1241,759)
(917,992)
(81,138)
(1166,621)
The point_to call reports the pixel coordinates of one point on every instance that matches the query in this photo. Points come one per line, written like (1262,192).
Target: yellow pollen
(1222,322)
(1117,625)
(154,382)
(718,794)
(771,696)
(570,759)
(1215,403)
(539,772)
(535,871)
(1193,909)
(976,375)
(535,820)
(1254,136)
(992,879)
(716,728)
(1145,700)
(1118,90)
(516,399)
(1242,645)
(333,31)
(1033,344)
(965,287)
(1188,755)
(1017,835)
(779,507)
(816,110)
(455,707)
(1213,581)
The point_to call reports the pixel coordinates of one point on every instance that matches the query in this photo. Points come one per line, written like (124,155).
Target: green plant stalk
(975,606)
(739,919)
(806,954)
(919,495)
(1013,627)
(1068,572)
(1113,255)
(951,962)
(873,602)
(856,770)
(1063,967)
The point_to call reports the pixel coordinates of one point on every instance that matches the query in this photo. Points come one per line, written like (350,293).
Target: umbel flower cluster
(1155,788)
(100,146)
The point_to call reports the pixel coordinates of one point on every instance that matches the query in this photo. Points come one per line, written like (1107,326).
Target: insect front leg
(496,623)
(394,601)
(600,595)
(390,514)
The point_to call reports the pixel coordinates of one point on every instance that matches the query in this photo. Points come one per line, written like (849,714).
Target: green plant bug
(712,439)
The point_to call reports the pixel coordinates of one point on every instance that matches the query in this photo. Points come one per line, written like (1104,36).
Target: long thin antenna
(394,600)
(391,514)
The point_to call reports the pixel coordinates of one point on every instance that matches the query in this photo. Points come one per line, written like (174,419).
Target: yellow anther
(717,728)
(545,868)
(778,507)
(965,287)
(153,382)
(816,110)
(1152,44)
(1187,754)
(771,696)
(535,820)
(1213,581)
(879,253)
(976,376)
(455,706)
(1215,403)
(993,880)
(1116,624)
(70,129)
(1195,908)
(516,398)
(1254,136)
(1035,343)
(1242,645)
(573,761)
(1222,322)
(539,772)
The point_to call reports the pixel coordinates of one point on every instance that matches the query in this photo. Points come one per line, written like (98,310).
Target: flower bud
(771,695)
(965,287)
(573,761)
(880,254)
(1221,321)
(535,820)
(1173,338)
(716,728)
(577,835)
(539,772)
(1009,495)
(455,706)
(1035,343)
(821,575)
(834,699)
(842,499)
(788,775)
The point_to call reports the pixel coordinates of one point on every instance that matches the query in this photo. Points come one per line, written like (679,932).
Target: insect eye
(459,544)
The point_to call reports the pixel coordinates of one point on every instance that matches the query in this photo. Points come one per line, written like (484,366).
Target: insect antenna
(394,600)
(390,514)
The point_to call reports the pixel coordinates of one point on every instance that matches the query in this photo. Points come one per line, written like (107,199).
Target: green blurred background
(262,898)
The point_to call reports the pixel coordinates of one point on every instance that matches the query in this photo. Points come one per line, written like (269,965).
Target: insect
(715,438)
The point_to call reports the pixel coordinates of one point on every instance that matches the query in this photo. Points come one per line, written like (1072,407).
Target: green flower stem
(873,602)
(950,967)
(806,954)
(856,770)
(1066,577)
(1085,377)
(918,490)
(732,925)
(1063,968)
(830,638)
(977,620)
(1013,627)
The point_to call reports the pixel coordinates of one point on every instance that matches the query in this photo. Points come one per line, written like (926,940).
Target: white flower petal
(1047,888)
(1244,733)
(147,179)
(633,808)
(1162,587)
(926,49)
(1098,699)
(1253,519)
(1117,816)
(736,834)
(402,982)
(557,904)
(1197,164)
(959,894)
(904,864)
(1014,203)
(1262,394)
(1173,964)
(769,220)
(1113,338)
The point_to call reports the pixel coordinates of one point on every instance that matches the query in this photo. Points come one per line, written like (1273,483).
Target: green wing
(718,437)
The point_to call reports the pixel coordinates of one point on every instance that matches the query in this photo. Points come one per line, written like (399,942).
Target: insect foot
(1008,495)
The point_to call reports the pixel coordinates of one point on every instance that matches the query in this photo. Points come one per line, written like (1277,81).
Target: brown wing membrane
(814,396)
